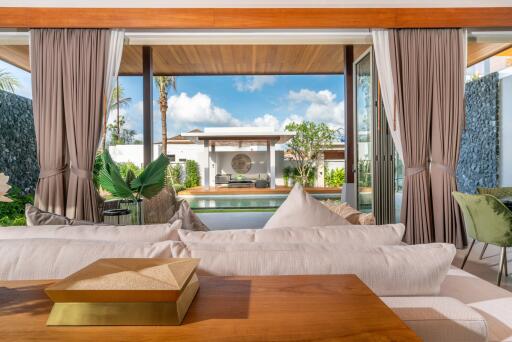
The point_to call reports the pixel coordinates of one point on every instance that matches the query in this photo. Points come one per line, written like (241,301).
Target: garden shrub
(334,178)
(192,177)
(13,213)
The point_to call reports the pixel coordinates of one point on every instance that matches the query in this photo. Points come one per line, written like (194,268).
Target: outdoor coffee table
(277,308)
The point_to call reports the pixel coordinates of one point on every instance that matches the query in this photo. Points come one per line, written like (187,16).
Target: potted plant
(133,189)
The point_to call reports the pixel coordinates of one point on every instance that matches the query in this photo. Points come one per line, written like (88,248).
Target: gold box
(125,291)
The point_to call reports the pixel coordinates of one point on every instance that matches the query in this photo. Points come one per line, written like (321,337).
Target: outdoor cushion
(31,259)
(352,215)
(38,217)
(388,270)
(143,233)
(300,209)
(189,219)
(365,236)
(437,319)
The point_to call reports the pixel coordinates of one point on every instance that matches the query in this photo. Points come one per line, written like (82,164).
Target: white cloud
(189,111)
(267,120)
(254,83)
(321,106)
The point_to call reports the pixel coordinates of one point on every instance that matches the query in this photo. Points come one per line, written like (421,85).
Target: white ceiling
(253,3)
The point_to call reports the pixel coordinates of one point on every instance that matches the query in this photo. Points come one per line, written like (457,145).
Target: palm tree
(118,100)
(163,83)
(7,81)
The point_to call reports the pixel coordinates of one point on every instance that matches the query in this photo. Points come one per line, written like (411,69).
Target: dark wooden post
(349,114)
(147,99)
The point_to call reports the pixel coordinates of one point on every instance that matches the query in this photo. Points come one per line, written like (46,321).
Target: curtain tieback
(414,170)
(52,172)
(81,173)
(444,167)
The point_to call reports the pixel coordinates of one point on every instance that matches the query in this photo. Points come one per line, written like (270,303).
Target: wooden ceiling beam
(254,18)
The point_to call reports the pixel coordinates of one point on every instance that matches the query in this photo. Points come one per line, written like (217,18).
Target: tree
(120,135)
(7,81)
(118,100)
(164,83)
(309,140)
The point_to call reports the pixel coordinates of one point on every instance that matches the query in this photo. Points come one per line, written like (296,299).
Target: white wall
(505,167)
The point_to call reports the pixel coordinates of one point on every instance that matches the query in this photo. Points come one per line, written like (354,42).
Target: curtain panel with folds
(427,72)
(85,64)
(46,59)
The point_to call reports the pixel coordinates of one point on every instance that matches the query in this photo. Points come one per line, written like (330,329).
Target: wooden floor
(200,190)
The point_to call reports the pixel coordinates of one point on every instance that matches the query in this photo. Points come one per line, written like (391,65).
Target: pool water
(244,201)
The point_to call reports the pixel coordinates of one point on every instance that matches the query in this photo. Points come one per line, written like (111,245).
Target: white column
(212,165)
(206,172)
(272,154)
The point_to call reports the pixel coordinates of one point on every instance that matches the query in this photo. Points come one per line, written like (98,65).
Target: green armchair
(498,193)
(487,220)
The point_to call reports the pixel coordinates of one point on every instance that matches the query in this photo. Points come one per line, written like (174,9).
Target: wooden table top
(269,308)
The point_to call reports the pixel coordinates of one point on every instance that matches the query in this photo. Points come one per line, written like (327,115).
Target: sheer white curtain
(114,54)
(383,61)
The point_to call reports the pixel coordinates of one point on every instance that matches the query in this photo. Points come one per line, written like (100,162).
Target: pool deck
(279,190)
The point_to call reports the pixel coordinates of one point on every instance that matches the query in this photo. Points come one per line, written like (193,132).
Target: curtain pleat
(47,59)
(412,67)
(84,101)
(448,115)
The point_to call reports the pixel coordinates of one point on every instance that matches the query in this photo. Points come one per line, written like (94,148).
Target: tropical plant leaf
(7,81)
(109,178)
(130,176)
(152,180)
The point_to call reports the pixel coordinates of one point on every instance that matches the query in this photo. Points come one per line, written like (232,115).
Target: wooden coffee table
(276,308)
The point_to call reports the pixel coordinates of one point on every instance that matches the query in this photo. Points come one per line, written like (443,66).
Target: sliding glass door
(363,89)
(377,181)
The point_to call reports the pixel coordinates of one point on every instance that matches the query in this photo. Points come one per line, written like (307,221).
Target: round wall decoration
(241,163)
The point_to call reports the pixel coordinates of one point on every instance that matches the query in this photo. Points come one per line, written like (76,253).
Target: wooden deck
(279,190)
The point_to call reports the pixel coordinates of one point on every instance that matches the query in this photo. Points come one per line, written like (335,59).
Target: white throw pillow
(300,209)
(365,236)
(143,233)
(388,270)
(31,259)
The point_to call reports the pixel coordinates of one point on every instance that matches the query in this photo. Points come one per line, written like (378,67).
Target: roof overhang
(212,137)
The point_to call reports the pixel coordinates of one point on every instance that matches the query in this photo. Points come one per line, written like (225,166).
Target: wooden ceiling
(241,59)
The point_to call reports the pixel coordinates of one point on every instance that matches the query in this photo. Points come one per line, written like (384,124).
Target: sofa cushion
(143,233)
(492,302)
(352,215)
(387,270)
(365,236)
(38,217)
(437,319)
(31,259)
(190,220)
(300,209)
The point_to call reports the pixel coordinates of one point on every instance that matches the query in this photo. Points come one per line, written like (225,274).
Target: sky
(222,101)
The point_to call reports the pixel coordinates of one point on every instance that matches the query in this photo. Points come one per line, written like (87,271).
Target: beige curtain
(412,66)
(85,70)
(448,51)
(47,59)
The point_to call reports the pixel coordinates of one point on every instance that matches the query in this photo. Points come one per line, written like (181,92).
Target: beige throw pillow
(300,209)
(352,215)
(38,217)
(188,218)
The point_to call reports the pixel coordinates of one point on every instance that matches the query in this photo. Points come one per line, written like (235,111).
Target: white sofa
(463,308)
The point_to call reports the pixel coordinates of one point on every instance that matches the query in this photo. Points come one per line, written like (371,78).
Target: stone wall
(479,153)
(18,157)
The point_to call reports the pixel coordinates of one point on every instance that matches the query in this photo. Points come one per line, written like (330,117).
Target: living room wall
(18,157)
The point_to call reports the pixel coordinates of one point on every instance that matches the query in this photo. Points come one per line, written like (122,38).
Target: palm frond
(110,179)
(164,82)
(7,81)
(152,180)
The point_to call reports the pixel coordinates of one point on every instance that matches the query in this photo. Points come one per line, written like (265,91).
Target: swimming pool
(209,202)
